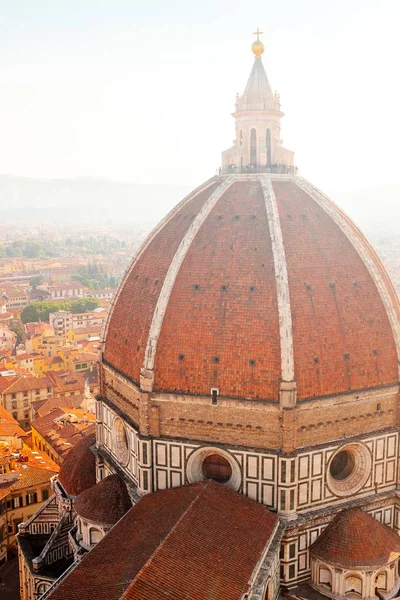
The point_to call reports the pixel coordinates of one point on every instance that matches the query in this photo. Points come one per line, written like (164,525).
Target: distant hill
(85,199)
(375,209)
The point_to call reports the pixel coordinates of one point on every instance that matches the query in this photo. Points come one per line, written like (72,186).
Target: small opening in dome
(216,360)
(196,287)
(332,286)
(342,465)
(290,217)
(216,467)
(181,357)
(316,360)
(224,288)
(219,217)
(252,362)
(237,217)
(356,284)
(251,288)
(375,351)
(346,356)
(308,287)
(304,217)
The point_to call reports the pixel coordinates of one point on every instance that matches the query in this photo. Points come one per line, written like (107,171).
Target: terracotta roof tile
(355,539)
(221,324)
(104,503)
(337,311)
(78,471)
(9,426)
(198,541)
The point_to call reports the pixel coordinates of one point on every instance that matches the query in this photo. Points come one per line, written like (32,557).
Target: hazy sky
(143,91)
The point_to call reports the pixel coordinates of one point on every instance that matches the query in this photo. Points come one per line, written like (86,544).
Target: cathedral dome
(253,282)
(78,471)
(104,503)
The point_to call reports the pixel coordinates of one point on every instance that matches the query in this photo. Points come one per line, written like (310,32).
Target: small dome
(354,539)
(104,503)
(78,471)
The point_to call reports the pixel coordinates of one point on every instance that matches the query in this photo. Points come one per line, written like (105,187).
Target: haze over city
(141,93)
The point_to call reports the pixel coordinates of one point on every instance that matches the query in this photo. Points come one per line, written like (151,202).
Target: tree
(39,311)
(19,331)
(35,281)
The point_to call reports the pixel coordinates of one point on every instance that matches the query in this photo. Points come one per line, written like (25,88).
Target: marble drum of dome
(349,469)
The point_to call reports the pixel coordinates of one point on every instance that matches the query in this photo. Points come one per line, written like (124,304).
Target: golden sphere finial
(257,46)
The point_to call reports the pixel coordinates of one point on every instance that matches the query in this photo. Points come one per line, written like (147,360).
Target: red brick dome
(78,471)
(250,281)
(354,539)
(104,503)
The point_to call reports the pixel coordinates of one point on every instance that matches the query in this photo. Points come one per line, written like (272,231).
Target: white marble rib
(173,270)
(147,242)
(282,281)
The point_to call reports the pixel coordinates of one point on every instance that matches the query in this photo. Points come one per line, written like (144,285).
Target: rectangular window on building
(291,500)
(17,502)
(292,571)
(283,499)
(292,470)
(145,480)
(31,498)
(292,550)
(144,453)
(45,495)
(283,471)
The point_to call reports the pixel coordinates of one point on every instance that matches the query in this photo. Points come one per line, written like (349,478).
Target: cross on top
(258,33)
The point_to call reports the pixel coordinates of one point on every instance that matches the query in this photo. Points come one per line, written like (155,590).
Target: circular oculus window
(349,469)
(121,445)
(216,464)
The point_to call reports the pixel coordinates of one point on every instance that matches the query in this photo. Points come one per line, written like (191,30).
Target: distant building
(61,429)
(68,291)
(24,481)
(18,393)
(63,321)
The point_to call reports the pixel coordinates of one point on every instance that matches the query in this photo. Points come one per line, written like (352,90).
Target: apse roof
(355,539)
(197,541)
(78,471)
(104,503)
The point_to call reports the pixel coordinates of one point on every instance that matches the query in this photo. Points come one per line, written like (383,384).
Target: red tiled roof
(197,541)
(23,356)
(91,329)
(43,407)
(344,325)
(24,384)
(221,323)
(78,471)
(105,503)
(132,315)
(9,426)
(354,539)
